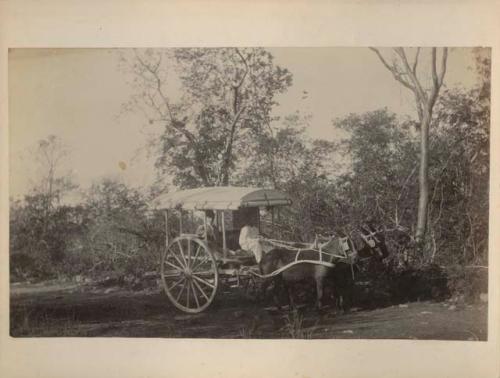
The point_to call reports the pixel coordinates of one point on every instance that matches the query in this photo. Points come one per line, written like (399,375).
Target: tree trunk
(423,178)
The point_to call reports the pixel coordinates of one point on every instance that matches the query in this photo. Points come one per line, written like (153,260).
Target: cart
(195,262)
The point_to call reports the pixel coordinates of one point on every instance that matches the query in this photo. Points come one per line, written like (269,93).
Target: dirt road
(72,310)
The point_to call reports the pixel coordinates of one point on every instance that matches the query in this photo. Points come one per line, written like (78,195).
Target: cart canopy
(221,198)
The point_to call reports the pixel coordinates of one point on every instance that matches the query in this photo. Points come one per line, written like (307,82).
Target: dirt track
(70,310)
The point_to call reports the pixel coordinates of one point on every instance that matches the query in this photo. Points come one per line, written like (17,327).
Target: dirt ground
(52,310)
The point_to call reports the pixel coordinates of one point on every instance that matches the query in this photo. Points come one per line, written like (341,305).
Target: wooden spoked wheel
(189,274)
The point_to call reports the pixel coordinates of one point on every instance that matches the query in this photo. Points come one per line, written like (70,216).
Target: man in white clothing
(250,241)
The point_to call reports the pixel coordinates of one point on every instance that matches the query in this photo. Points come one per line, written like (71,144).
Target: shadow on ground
(78,311)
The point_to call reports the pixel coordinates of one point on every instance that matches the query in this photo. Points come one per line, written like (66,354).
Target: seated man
(250,241)
(211,234)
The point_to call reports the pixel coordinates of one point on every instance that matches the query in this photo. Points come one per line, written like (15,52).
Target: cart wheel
(189,274)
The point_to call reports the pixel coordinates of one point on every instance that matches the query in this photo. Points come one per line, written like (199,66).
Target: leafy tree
(460,172)
(122,234)
(38,241)
(283,157)
(40,225)
(383,153)
(223,94)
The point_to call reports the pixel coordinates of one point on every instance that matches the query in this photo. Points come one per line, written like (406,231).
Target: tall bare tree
(425,98)
(53,182)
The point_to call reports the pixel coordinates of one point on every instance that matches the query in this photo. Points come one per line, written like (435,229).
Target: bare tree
(425,99)
(53,182)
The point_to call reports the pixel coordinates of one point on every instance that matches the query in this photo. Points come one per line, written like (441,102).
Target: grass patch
(294,326)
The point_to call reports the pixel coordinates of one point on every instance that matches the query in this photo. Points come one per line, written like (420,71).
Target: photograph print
(249,192)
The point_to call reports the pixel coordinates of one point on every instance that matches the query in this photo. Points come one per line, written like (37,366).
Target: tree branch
(416,84)
(414,68)
(393,70)
(157,80)
(246,68)
(228,148)
(444,59)
(437,81)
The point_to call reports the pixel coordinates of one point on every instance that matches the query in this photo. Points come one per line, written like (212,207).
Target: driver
(200,231)
(250,241)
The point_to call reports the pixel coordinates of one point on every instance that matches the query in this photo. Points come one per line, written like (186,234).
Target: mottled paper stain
(122,165)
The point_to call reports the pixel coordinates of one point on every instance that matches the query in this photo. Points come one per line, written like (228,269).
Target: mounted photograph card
(188,199)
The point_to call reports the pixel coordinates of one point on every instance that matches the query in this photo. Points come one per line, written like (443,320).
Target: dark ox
(367,243)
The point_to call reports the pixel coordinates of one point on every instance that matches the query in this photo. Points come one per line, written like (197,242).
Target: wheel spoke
(176,258)
(203,281)
(189,254)
(182,252)
(195,255)
(176,283)
(195,295)
(180,292)
(173,266)
(200,289)
(200,264)
(188,292)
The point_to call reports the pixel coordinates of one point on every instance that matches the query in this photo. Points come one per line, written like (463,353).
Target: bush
(468,282)
(428,282)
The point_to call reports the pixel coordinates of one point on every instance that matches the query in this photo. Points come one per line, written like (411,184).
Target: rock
(78,278)
(483,297)
(426,312)
(403,306)
(349,331)
(452,307)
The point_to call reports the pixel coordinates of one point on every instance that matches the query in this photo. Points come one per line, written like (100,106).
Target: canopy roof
(221,198)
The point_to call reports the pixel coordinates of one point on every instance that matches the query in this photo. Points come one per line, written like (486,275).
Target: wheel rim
(189,274)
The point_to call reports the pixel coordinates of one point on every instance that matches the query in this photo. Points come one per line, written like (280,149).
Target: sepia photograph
(249,192)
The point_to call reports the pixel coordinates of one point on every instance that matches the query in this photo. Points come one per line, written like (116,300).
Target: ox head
(374,242)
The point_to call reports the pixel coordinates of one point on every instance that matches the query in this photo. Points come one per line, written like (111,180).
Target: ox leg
(277,290)
(319,292)
(263,289)
(282,290)
(290,296)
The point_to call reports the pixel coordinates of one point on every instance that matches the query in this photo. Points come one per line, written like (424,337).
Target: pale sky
(77,95)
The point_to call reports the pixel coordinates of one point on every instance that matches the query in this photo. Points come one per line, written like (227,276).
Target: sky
(78,94)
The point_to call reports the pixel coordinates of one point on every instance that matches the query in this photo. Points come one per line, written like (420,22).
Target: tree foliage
(225,94)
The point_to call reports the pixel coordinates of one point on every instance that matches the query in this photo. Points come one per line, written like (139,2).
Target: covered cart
(198,257)
(206,247)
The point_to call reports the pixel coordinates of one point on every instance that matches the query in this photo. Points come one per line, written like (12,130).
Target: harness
(292,246)
(321,249)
